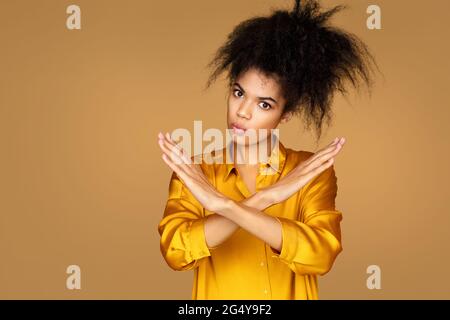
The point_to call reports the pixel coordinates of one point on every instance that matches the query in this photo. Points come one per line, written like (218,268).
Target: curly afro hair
(310,59)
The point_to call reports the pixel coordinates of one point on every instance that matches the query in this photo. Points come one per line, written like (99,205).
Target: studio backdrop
(85,87)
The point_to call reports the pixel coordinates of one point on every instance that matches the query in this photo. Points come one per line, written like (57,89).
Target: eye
(237,90)
(265,106)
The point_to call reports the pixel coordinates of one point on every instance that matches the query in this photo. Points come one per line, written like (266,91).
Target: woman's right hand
(303,173)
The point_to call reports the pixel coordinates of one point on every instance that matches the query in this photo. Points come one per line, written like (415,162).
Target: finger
(190,169)
(175,160)
(167,138)
(170,151)
(324,157)
(173,152)
(181,174)
(172,145)
(317,170)
(331,147)
(331,153)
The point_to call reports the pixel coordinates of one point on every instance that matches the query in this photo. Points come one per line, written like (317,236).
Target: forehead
(258,83)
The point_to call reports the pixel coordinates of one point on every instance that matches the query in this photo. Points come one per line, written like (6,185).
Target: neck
(249,155)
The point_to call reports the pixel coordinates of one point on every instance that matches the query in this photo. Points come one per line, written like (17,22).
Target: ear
(286,117)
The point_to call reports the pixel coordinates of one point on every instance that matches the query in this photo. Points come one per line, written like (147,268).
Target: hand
(191,175)
(303,173)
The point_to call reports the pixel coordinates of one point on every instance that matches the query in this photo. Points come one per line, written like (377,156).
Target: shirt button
(262,263)
(265,291)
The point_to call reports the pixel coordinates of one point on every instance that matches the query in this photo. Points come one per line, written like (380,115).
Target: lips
(234,125)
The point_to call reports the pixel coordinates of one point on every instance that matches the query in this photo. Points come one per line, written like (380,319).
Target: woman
(265,230)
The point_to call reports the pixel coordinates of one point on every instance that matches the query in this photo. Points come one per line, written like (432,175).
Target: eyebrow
(261,98)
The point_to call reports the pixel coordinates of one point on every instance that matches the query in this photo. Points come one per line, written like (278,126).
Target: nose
(245,110)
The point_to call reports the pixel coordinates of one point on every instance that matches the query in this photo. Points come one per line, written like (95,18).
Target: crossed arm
(247,214)
(321,230)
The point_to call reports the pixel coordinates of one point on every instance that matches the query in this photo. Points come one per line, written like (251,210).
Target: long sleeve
(312,242)
(183,241)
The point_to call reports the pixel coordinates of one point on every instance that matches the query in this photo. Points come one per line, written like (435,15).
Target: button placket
(261,177)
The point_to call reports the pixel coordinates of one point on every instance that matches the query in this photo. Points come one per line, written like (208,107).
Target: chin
(244,141)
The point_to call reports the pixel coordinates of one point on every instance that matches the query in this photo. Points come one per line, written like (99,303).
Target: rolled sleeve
(197,243)
(310,248)
(311,243)
(183,243)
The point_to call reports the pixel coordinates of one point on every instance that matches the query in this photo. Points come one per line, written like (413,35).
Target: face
(255,101)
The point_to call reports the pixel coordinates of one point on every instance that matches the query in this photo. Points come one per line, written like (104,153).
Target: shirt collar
(275,161)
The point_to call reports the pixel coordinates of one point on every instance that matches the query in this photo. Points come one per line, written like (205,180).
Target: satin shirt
(244,266)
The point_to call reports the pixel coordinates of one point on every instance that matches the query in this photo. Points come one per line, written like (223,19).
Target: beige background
(83,181)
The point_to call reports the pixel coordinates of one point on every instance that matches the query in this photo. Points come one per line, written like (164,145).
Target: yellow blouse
(245,267)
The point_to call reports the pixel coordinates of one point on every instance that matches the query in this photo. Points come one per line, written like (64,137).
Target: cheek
(233,106)
(266,120)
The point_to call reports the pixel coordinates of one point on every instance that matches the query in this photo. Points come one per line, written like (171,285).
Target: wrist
(265,198)
(222,205)
(260,200)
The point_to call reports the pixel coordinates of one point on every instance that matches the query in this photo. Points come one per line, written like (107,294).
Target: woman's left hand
(191,175)
(303,173)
